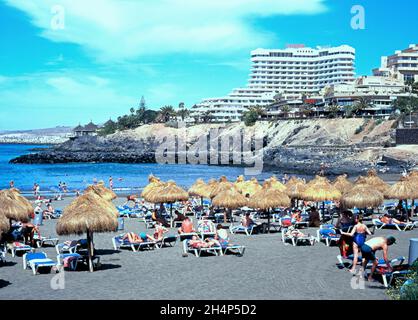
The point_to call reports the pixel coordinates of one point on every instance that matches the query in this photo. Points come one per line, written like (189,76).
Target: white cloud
(114,30)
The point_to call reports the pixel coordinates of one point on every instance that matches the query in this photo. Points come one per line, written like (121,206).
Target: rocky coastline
(301,148)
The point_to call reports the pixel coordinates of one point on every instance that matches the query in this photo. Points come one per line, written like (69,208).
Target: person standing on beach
(111,183)
(12,184)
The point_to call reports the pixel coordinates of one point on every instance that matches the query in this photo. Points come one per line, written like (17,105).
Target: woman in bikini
(359,234)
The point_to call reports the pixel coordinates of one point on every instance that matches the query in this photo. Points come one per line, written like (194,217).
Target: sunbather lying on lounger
(293,232)
(134,238)
(388,220)
(197,243)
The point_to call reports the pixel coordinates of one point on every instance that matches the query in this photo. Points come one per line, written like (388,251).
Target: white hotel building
(289,72)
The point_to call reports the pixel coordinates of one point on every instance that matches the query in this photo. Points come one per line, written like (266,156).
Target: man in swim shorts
(368,252)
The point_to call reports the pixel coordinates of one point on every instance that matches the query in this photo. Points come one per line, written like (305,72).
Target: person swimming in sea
(359,234)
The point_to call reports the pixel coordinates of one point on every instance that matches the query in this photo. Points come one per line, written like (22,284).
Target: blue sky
(112,52)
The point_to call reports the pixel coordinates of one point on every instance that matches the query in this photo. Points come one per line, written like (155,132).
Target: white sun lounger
(401,227)
(217,251)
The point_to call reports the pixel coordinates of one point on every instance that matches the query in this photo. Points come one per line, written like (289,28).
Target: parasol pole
(89,249)
(171,214)
(268,220)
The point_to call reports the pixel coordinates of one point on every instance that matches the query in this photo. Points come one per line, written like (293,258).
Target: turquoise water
(77,176)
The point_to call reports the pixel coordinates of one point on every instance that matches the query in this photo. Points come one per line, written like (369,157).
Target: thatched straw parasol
(4,224)
(88,214)
(276,184)
(221,186)
(240,183)
(402,190)
(230,199)
(269,198)
(199,189)
(168,193)
(343,184)
(373,180)
(250,187)
(320,189)
(101,191)
(153,183)
(362,196)
(14,207)
(295,188)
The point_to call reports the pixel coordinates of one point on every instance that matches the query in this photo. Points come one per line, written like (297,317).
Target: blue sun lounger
(327,233)
(37,260)
(73,259)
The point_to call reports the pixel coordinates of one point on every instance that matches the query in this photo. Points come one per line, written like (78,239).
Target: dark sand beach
(269,269)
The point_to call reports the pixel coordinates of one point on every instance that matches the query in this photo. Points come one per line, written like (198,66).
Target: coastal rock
(290,145)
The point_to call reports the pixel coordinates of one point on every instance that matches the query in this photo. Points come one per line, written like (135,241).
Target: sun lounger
(167,241)
(16,247)
(401,227)
(2,254)
(67,247)
(69,260)
(241,229)
(37,260)
(197,251)
(233,248)
(41,241)
(296,240)
(398,261)
(328,234)
(399,271)
(187,236)
(118,243)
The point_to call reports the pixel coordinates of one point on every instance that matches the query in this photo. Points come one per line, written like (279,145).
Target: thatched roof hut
(404,189)
(221,186)
(230,199)
(343,184)
(88,213)
(362,196)
(101,191)
(320,189)
(14,206)
(168,193)
(295,188)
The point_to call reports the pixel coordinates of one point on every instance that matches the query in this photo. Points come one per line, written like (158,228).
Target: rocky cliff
(342,145)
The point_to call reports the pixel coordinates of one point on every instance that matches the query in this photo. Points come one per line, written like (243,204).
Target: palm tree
(360,105)
(285,110)
(166,113)
(207,117)
(183,113)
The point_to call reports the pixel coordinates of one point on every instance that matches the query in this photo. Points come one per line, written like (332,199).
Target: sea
(127,178)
